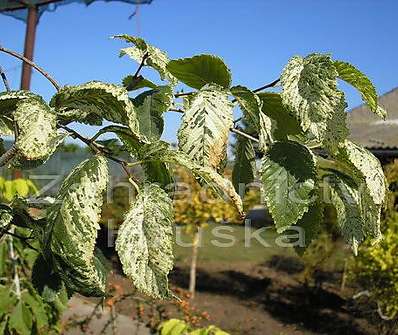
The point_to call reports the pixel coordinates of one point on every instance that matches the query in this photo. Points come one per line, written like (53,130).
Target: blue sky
(254,37)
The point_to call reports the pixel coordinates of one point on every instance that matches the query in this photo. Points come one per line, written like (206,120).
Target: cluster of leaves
(308,112)
(375,268)
(26,307)
(179,327)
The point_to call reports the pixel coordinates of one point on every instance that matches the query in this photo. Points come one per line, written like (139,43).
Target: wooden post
(29,47)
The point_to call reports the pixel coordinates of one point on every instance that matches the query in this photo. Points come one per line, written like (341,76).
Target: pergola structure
(30,12)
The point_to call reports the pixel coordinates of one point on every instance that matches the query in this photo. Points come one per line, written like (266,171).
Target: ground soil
(266,299)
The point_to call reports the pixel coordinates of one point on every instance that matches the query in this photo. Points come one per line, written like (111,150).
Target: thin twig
(14,265)
(32,64)
(177,110)
(178,95)
(146,55)
(5,81)
(241,133)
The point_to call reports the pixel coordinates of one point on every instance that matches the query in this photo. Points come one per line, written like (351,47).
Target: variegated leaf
(37,132)
(204,131)
(265,132)
(346,199)
(6,126)
(160,151)
(356,78)
(93,101)
(366,169)
(73,225)
(156,58)
(132,83)
(201,70)
(145,242)
(310,92)
(288,176)
(9,100)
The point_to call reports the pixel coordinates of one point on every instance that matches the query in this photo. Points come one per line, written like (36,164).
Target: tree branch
(146,55)
(32,64)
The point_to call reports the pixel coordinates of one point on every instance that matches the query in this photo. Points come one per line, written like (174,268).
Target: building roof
(370,130)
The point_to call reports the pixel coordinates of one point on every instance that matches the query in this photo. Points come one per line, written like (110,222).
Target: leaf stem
(32,64)
(241,133)
(146,55)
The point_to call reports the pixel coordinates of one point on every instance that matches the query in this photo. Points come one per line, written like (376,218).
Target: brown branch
(32,64)
(178,95)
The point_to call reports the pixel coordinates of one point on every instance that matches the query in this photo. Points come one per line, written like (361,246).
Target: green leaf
(37,309)
(356,78)
(204,131)
(310,92)
(173,327)
(38,136)
(73,224)
(250,104)
(156,58)
(311,225)
(161,151)
(150,107)
(93,101)
(200,70)
(288,176)
(145,242)
(265,132)
(132,83)
(245,163)
(8,299)
(21,319)
(285,123)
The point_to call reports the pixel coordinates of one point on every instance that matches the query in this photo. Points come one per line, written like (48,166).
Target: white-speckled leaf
(157,59)
(204,130)
(310,92)
(265,130)
(145,242)
(93,101)
(6,126)
(356,78)
(9,100)
(357,218)
(161,151)
(73,225)
(288,176)
(366,168)
(38,136)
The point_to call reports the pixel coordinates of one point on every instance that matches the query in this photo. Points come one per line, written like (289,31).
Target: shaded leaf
(132,83)
(250,104)
(288,176)
(245,164)
(21,319)
(150,107)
